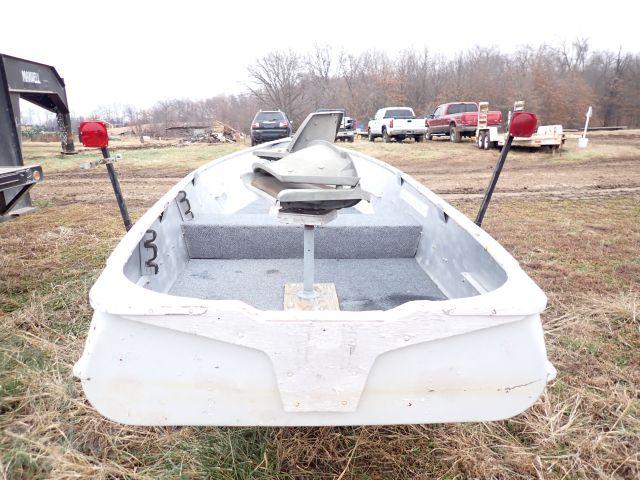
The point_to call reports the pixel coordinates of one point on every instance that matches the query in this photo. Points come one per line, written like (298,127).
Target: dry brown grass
(582,251)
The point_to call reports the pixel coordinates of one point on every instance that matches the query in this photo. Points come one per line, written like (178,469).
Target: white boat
(434,322)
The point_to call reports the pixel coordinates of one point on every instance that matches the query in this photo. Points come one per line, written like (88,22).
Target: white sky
(139,52)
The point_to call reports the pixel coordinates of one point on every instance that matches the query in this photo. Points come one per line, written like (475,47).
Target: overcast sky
(139,52)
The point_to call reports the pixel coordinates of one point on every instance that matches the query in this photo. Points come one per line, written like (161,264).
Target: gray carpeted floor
(361,284)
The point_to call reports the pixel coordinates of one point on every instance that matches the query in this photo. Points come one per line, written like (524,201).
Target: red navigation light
(523,124)
(94,134)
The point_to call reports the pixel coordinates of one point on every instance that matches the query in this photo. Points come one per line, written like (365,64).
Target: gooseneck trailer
(41,85)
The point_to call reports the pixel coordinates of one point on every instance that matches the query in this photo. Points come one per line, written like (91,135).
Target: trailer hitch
(94,134)
(522,124)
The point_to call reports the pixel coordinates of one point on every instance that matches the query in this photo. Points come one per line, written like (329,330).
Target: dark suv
(269,125)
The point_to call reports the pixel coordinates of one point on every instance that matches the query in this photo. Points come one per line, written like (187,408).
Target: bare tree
(320,82)
(557,82)
(277,78)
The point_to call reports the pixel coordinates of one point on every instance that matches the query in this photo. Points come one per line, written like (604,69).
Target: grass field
(572,219)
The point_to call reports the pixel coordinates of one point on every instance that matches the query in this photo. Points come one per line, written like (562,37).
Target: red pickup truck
(458,120)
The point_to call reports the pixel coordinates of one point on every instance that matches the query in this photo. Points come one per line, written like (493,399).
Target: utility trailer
(41,85)
(549,136)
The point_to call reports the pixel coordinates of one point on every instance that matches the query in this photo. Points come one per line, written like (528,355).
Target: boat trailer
(545,136)
(41,85)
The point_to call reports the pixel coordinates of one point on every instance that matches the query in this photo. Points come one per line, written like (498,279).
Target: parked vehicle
(347,130)
(397,123)
(458,120)
(550,136)
(269,125)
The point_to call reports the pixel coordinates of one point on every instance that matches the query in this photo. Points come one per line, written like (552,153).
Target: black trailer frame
(41,85)
(19,179)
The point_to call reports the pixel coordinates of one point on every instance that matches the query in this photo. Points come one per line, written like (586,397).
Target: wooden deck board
(327,297)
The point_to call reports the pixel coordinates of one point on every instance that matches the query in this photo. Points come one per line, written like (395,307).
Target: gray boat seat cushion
(264,236)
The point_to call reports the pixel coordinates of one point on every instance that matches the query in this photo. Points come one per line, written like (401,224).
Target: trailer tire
(385,136)
(454,134)
(486,141)
(480,140)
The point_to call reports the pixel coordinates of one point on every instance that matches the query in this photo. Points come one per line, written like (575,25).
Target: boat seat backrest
(264,236)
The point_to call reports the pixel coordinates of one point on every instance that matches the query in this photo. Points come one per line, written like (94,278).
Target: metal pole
(494,180)
(113,176)
(586,123)
(309,253)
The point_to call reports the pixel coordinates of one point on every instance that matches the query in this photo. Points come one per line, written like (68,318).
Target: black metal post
(113,176)
(494,180)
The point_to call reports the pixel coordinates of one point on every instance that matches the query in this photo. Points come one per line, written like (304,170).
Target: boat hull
(142,374)
(156,358)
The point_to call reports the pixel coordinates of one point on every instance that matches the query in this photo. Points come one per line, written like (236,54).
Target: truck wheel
(385,136)
(351,139)
(419,138)
(486,141)
(454,134)
(371,137)
(428,134)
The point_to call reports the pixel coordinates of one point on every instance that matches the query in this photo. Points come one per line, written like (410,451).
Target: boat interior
(393,247)
(250,256)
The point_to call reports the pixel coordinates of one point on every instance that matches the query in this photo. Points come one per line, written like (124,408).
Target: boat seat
(317,126)
(354,235)
(315,180)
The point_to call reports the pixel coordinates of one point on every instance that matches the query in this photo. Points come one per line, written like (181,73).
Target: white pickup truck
(398,123)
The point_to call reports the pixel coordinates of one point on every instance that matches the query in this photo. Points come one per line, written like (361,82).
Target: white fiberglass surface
(449,262)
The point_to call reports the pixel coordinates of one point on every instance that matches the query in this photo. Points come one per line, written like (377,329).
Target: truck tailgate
(494,118)
(471,118)
(407,123)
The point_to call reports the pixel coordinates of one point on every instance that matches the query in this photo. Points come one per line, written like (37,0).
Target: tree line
(557,82)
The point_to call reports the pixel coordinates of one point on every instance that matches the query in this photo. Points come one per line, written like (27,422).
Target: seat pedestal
(310,221)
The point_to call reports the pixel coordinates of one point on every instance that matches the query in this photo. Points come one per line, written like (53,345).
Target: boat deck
(361,284)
